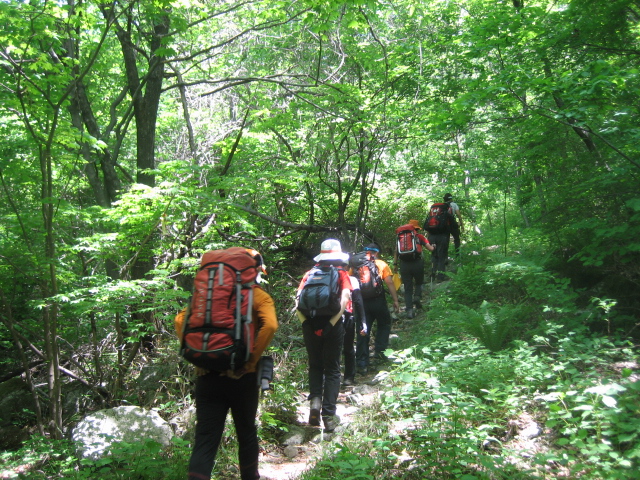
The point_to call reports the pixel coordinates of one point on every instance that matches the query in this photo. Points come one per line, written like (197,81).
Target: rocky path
(303,444)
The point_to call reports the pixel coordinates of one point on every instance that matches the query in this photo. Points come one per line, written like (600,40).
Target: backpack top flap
(405,228)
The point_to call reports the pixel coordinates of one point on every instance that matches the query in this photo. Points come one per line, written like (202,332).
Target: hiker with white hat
(321,298)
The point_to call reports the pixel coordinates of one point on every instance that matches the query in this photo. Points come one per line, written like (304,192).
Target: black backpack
(439,219)
(320,296)
(366,271)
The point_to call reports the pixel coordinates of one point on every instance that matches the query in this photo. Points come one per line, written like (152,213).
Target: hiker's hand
(396,306)
(201,371)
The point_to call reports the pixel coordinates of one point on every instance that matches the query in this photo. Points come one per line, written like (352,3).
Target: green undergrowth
(503,346)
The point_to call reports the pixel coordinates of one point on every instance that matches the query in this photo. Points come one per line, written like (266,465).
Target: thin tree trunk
(10,324)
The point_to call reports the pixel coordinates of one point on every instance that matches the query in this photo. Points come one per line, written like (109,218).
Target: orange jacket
(264,314)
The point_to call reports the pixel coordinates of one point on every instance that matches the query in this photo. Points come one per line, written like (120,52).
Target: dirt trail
(303,444)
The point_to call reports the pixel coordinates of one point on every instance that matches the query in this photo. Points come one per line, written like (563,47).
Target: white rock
(96,432)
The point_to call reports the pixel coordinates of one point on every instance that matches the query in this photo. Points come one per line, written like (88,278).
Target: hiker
(376,309)
(408,255)
(321,312)
(354,321)
(216,393)
(438,225)
(457,226)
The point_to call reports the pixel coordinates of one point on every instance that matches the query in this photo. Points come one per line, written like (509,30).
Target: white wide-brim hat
(331,250)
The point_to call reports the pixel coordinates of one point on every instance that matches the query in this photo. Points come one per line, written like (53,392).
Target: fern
(492,328)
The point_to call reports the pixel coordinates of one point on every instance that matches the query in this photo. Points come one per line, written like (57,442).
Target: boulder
(15,401)
(99,430)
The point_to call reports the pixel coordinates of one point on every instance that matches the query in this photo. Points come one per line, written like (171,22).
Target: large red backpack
(218,332)
(408,246)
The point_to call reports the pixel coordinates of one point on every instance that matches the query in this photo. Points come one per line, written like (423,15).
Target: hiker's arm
(358,311)
(344,300)
(301,317)
(392,289)
(178,323)
(459,215)
(427,244)
(264,311)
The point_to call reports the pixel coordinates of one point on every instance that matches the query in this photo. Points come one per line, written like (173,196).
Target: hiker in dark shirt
(457,225)
(377,310)
(354,322)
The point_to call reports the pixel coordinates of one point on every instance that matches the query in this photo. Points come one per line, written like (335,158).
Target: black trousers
(215,396)
(376,310)
(412,273)
(440,255)
(324,345)
(455,233)
(349,349)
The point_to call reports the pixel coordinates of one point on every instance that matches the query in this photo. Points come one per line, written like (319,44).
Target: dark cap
(447,197)
(372,247)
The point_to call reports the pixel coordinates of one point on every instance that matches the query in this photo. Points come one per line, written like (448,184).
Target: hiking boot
(410,313)
(314,413)
(418,304)
(348,382)
(363,370)
(331,422)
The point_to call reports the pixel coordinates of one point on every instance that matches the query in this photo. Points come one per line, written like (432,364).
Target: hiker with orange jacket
(376,310)
(216,393)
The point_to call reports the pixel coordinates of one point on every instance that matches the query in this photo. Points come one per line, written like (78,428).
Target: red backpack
(439,219)
(408,246)
(366,271)
(218,332)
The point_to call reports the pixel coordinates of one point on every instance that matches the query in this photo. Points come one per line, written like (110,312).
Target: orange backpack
(218,331)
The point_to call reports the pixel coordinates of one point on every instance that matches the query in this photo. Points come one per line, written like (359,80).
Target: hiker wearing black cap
(376,310)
